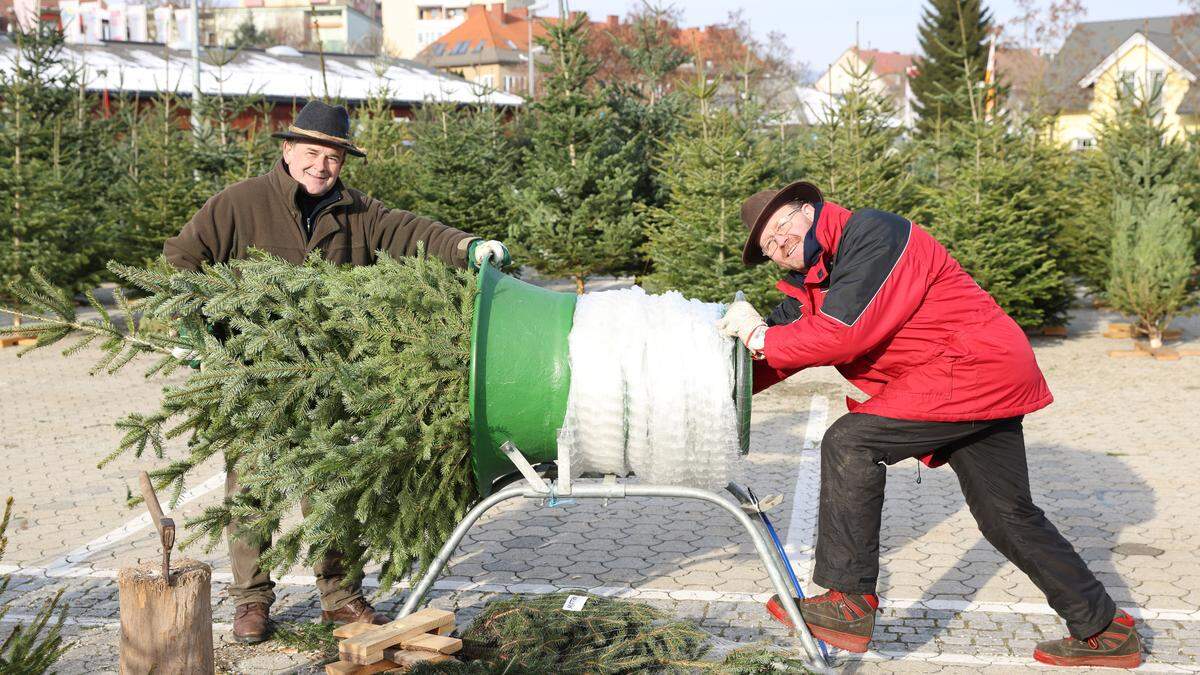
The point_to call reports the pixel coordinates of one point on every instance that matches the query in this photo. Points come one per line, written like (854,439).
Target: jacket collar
(831,221)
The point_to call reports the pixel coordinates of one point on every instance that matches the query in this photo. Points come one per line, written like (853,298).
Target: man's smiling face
(316,167)
(782,239)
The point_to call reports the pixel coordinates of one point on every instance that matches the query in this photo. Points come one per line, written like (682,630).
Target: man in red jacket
(949,376)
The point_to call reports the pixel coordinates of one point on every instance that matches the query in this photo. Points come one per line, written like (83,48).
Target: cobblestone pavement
(1111,462)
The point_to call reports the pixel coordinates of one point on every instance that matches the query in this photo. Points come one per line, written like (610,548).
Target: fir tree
(53,177)
(1152,258)
(461,168)
(157,191)
(997,198)
(952,35)
(385,174)
(574,207)
(856,153)
(695,243)
(1134,153)
(30,649)
(343,385)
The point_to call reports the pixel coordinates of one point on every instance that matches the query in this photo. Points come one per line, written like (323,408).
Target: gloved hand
(480,250)
(744,322)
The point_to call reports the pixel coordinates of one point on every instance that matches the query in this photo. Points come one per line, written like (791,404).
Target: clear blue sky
(818,30)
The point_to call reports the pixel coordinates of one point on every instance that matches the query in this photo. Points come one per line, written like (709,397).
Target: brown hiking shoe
(357,610)
(251,622)
(1117,646)
(844,620)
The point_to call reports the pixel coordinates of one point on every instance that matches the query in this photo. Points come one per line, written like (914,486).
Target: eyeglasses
(782,226)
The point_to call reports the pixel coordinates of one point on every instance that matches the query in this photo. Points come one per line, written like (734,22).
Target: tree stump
(166,630)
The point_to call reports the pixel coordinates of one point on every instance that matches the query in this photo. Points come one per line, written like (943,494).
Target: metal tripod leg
(616,491)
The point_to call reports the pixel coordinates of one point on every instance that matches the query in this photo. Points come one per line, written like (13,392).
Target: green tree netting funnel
(520,374)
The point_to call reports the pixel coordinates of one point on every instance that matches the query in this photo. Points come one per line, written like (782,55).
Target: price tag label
(574,603)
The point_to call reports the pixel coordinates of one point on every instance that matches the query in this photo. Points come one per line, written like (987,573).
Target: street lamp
(529,45)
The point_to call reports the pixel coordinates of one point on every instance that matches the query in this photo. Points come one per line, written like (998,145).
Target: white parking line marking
(802,525)
(65,566)
(818,416)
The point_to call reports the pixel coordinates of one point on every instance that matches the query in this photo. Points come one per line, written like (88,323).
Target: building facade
(1155,57)
(887,76)
(409,26)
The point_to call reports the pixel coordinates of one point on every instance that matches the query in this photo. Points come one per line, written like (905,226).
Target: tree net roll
(651,389)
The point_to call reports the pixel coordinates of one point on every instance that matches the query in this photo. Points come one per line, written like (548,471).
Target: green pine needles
(344,388)
(30,649)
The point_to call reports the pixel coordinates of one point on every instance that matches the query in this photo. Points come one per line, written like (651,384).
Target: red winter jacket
(900,319)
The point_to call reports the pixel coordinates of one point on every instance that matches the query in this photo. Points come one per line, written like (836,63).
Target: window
(461,47)
(1142,83)
(514,83)
(485,80)
(454,12)
(429,13)
(1084,144)
(437,49)
(479,47)
(511,44)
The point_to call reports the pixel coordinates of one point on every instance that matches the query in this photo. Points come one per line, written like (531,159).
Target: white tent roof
(146,68)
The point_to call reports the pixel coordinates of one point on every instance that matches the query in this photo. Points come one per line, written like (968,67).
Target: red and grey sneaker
(1117,646)
(844,620)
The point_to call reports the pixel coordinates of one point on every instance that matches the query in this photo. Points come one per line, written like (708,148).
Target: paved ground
(1112,464)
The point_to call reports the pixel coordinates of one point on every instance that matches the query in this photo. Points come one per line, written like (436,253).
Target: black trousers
(989,460)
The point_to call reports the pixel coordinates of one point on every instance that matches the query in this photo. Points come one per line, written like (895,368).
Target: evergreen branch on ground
(342,390)
(30,649)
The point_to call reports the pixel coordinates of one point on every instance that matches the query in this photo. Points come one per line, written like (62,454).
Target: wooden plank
(348,668)
(367,648)
(1189,352)
(428,642)
(406,659)
(1128,354)
(1054,331)
(447,629)
(349,630)
(1166,354)
(17,340)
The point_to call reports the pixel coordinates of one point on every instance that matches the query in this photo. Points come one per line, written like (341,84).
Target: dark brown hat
(323,124)
(759,207)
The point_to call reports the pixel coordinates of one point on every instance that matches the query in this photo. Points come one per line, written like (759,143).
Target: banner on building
(183,24)
(27,12)
(162,24)
(68,13)
(118,27)
(135,19)
(92,15)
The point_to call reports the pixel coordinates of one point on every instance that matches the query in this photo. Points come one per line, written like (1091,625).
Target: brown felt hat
(759,207)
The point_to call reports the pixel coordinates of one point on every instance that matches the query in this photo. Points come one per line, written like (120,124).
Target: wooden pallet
(421,637)
(17,340)
(1125,331)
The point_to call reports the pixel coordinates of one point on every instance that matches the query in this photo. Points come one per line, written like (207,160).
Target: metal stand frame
(538,489)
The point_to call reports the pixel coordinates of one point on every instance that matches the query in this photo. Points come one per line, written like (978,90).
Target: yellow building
(1144,56)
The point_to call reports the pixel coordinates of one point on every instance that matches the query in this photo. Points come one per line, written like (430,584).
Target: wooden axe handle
(151,499)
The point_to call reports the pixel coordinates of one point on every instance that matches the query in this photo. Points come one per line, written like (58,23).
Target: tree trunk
(166,630)
(579,285)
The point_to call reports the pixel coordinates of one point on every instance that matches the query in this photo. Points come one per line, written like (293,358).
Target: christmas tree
(952,35)
(343,385)
(462,165)
(996,194)
(574,206)
(32,648)
(856,153)
(714,163)
(386,175)
(53,178)
(1152,259)
(1134,153)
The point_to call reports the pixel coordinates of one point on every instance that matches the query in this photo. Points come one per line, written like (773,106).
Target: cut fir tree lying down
(344,386)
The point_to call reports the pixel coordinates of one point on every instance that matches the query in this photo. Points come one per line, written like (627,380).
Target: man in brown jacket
(301,206)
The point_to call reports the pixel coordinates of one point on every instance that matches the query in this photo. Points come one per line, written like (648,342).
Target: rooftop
(147,68)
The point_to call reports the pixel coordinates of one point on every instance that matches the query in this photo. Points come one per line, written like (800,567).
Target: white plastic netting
(651,390)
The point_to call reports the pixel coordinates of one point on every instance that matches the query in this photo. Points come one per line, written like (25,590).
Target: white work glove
(744,322)
(183,353)
(497,251)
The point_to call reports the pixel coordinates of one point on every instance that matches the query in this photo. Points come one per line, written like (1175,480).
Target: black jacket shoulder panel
(785,312)
(871,245)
